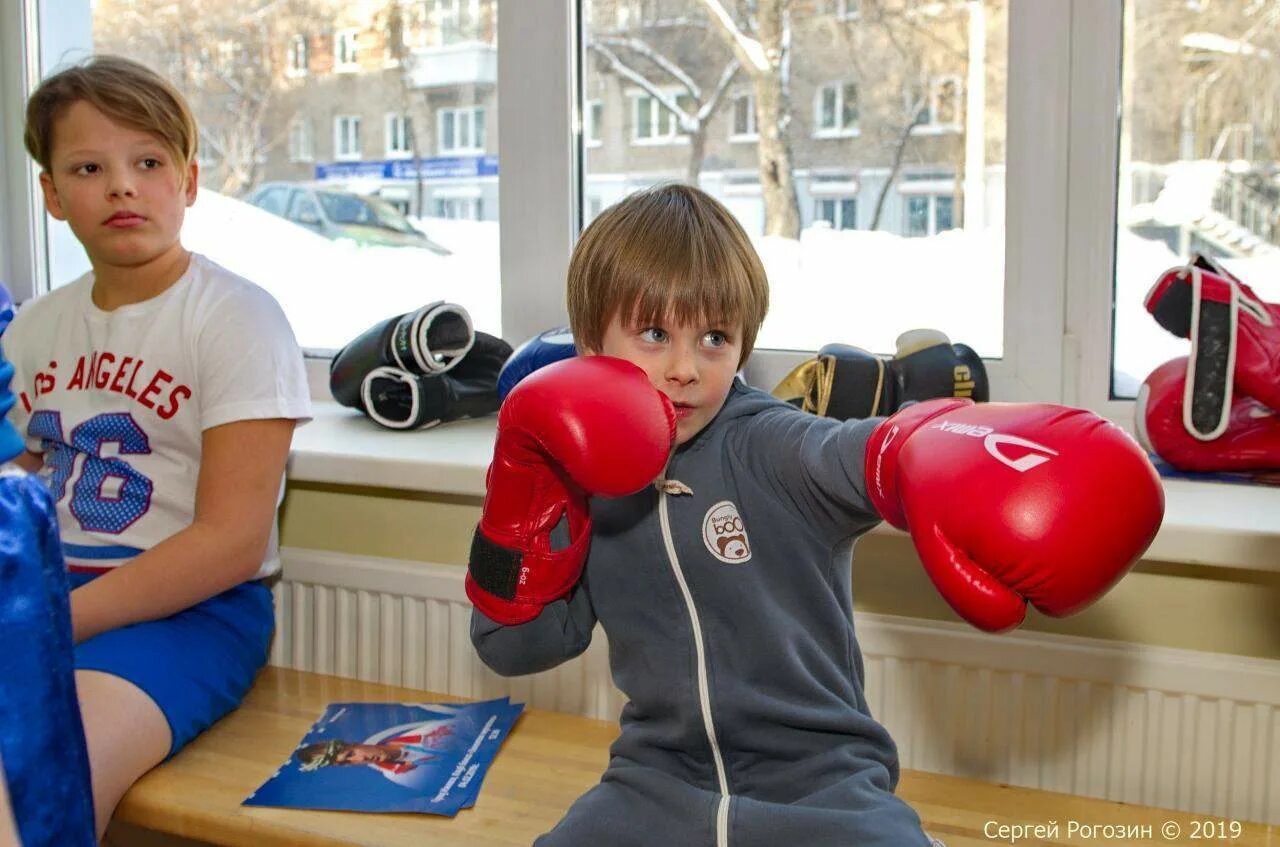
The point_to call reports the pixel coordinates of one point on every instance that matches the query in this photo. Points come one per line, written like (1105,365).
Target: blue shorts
(196,665)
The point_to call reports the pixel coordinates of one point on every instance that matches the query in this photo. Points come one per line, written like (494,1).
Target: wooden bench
(547,762)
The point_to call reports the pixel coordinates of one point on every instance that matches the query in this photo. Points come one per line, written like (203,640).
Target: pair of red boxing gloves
(1217,409)
(1006,503)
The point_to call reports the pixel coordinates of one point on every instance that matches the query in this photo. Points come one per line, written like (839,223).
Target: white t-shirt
(117,401)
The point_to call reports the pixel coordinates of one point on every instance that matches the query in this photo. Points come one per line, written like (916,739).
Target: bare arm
(29,462)
(240,471)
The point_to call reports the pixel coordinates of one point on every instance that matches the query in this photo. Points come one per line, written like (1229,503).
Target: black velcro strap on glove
(494,568)
(1207,405)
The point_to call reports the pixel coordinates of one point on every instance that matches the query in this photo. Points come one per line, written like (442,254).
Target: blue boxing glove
(538,352)
(11,444)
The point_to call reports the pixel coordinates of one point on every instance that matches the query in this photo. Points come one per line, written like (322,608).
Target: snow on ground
(331,290)
(856,287)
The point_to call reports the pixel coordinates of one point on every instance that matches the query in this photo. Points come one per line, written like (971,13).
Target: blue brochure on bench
(392,757)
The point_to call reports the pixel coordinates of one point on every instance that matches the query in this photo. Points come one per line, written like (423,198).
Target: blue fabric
(197,665)
(10,441)
(42,744)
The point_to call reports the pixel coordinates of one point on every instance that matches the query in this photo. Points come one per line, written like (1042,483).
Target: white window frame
(342,136)
(837,200)
(933,127)
(450,11)
(475,145)
(590,127)
(396,127)
(820,131)
(1062,94)
(346,50)
(296,49)
(845,10)
(931,214)
(635,98)
(753,133)
(1092,142)
(302,140)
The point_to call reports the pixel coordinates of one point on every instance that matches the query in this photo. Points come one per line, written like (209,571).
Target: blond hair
(125,91)
(671,251)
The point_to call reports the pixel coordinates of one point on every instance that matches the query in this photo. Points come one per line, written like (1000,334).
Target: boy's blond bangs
(127,92)
(670,252)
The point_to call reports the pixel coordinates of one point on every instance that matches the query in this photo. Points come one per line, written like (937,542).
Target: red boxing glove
(1014,503)
(1235,338)
(1250,441)
(576,428)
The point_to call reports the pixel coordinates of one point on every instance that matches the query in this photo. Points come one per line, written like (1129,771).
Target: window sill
(1205,523)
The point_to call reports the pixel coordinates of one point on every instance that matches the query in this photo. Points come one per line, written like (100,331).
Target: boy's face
(693,364)
(119,188)
(364,754)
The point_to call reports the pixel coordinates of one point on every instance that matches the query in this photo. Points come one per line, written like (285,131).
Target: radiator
(1178,729)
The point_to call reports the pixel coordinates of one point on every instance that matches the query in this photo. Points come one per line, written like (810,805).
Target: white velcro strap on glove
(439,335)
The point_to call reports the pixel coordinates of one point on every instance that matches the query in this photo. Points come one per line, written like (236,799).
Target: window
(594,118)
(945,99)
(303,209)
(399,136)
(301,144)
(654,123)
(836,112)
(842,10)
(848,154)
(273,200)
(346,54)
(1199,144)
(296,56)
(459,208)
(461,130)
(941,109)
(456,21)
(929,214)
(838,212)
(267,117)
(346,137)
(744,118)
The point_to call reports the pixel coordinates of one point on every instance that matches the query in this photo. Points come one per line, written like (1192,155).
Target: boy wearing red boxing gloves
(724,588)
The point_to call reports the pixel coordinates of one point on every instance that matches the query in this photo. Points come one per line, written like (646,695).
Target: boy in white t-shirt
(158,395)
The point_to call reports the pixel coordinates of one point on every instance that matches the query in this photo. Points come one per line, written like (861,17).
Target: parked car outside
(339,215)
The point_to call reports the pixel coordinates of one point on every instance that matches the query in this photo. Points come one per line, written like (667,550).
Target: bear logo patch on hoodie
(724,534)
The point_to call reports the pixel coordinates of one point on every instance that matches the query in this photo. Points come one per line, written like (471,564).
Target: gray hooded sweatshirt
(727,603)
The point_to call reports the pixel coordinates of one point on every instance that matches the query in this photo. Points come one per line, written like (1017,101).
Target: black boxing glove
(398,399)
(847,382)
(431,340)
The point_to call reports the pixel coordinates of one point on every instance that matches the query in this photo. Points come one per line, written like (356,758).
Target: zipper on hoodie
(704,689)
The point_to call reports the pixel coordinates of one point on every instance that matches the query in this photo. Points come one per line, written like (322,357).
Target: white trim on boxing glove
(425,359)
(415,399)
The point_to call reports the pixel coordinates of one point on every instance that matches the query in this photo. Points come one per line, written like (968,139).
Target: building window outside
(839,212)
(346,53)
(461,130)
(744,119)
(399,135)
(945,100)
(301,141)
(456,21)
(843,10)
(459,208)
(929,214)
(654,123)
(836,110)
(593,116)
(346,137)
(296,59)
